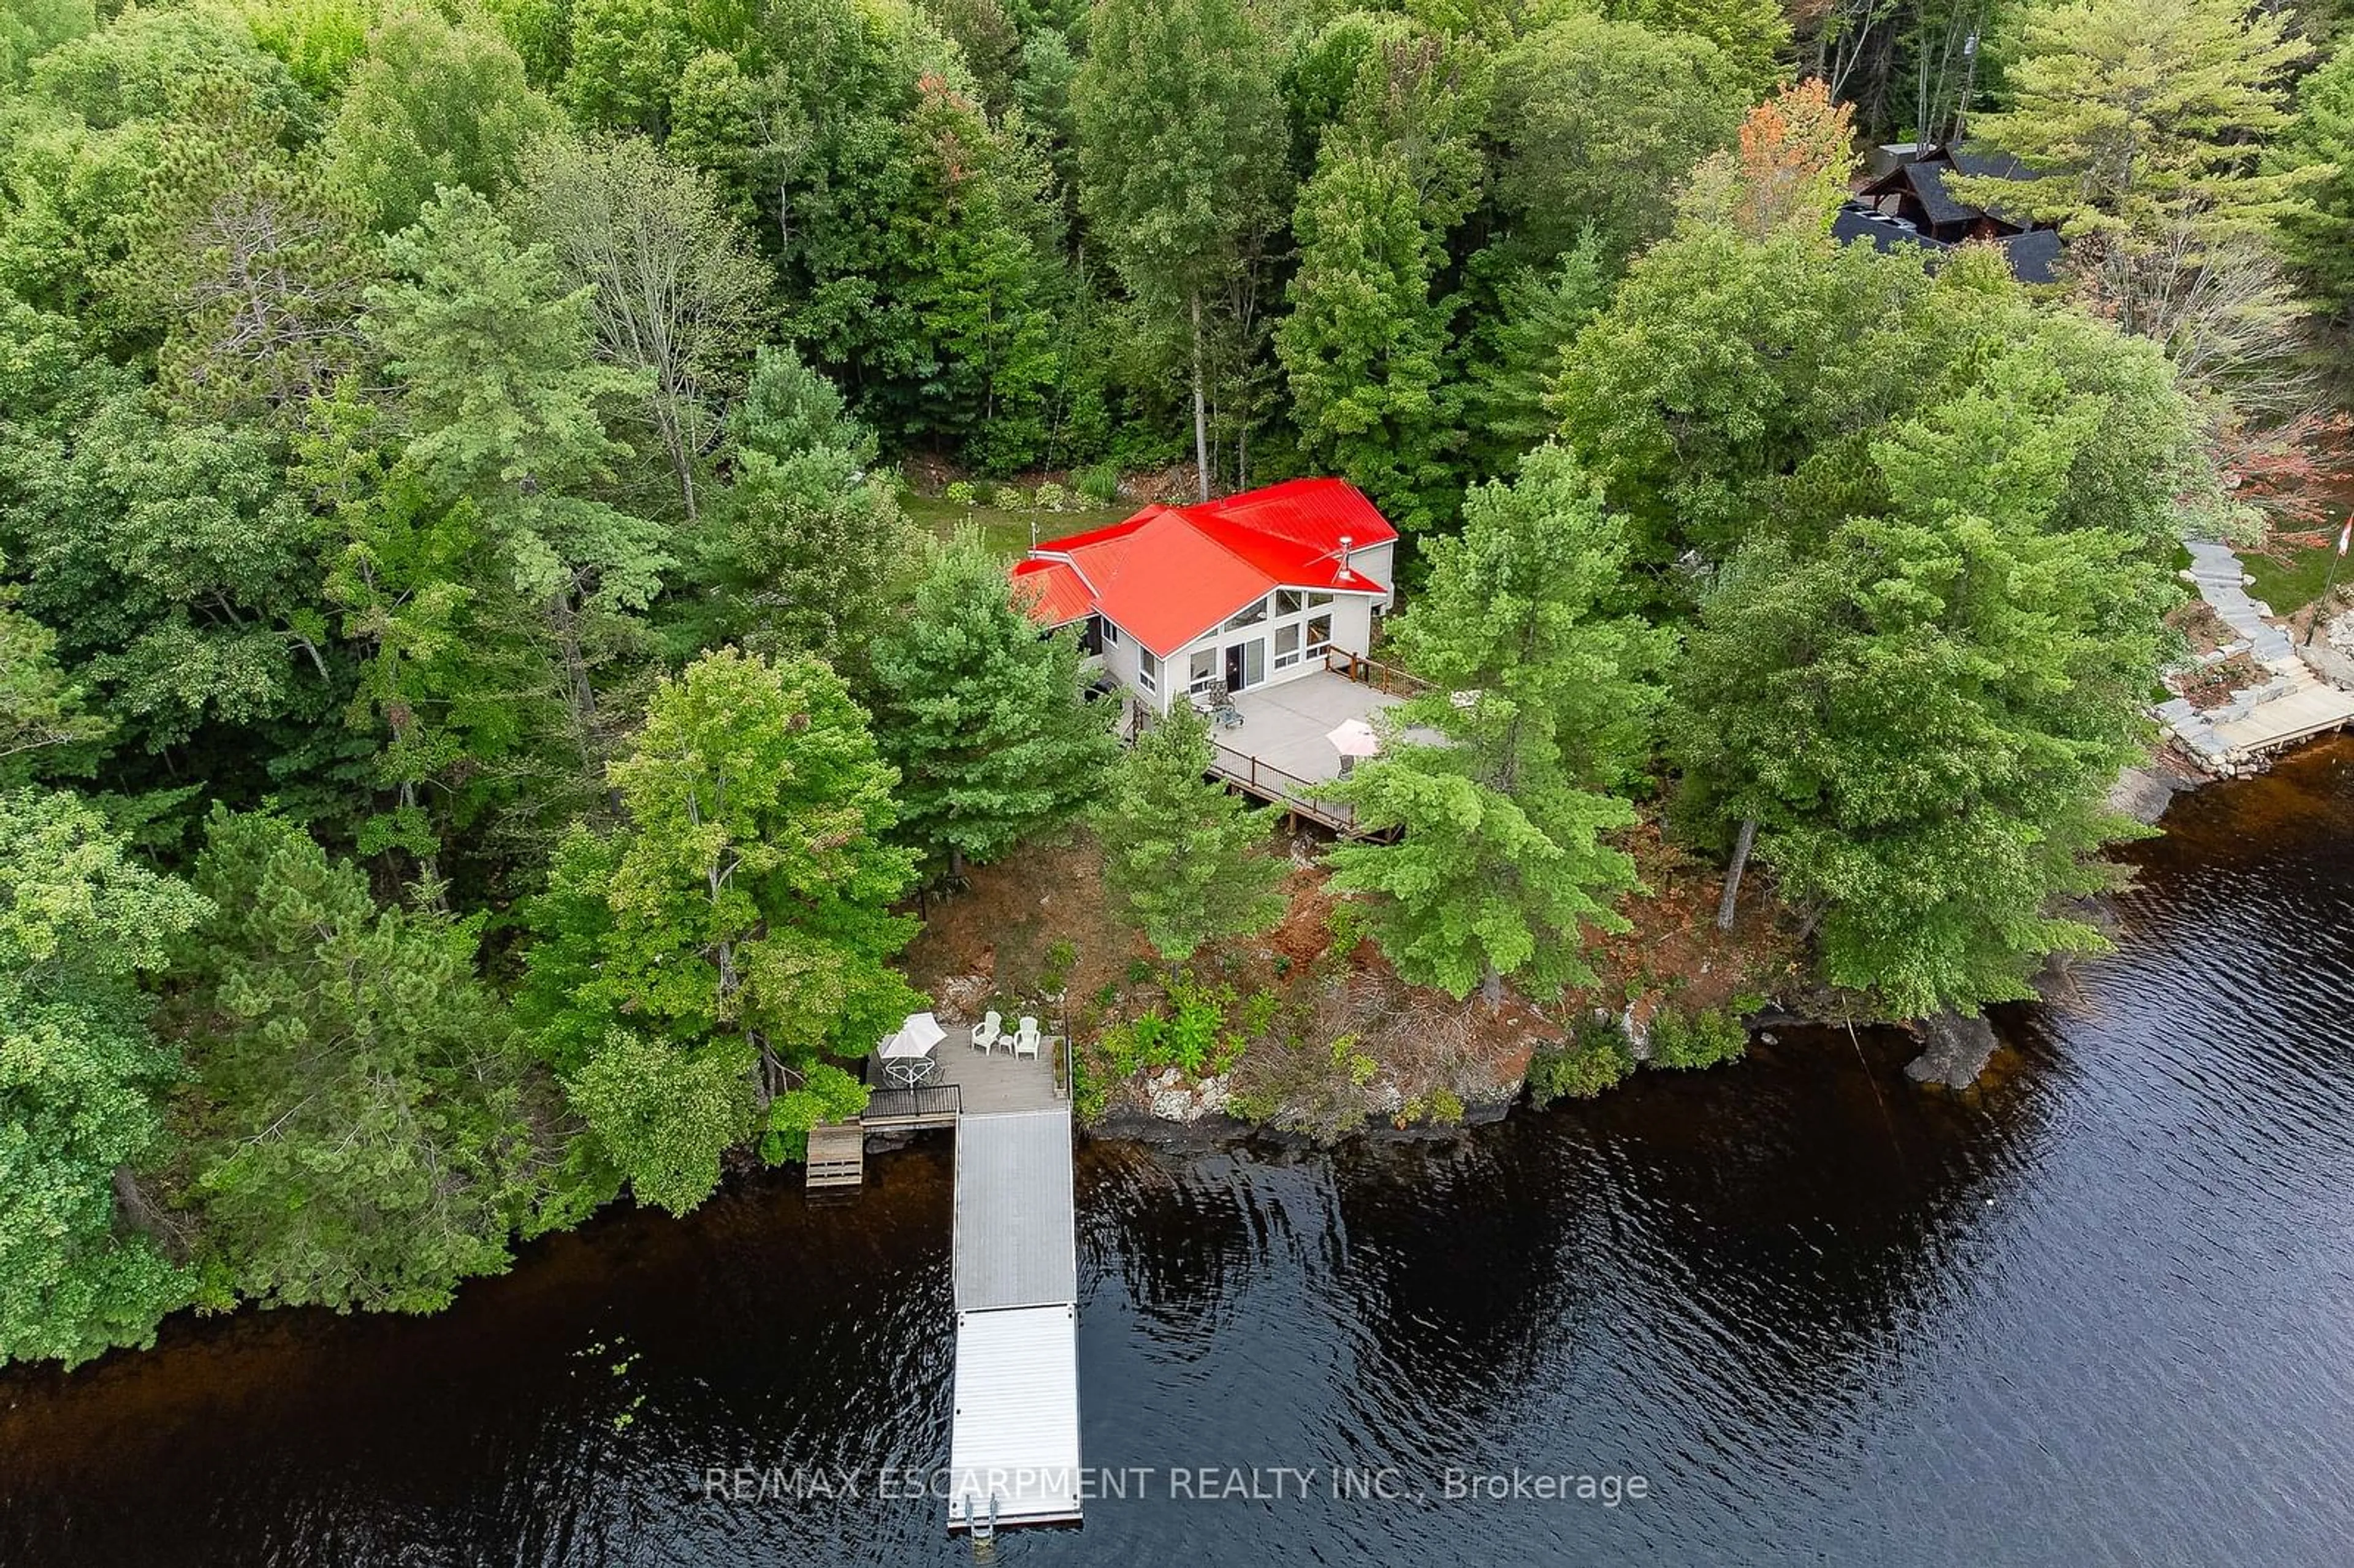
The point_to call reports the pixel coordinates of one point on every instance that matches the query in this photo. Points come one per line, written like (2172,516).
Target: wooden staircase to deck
(837,1157)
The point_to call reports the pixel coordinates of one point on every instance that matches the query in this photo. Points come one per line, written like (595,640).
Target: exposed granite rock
(2144,793)
(1955,1053)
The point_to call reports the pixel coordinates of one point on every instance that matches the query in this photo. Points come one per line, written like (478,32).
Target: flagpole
(2329,580)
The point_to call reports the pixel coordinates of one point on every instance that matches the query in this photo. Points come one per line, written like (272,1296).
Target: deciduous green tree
(676,294)
(434,103)
(81,1084)
(1181,196)
(1598,121)
(698,964)
(46,728)
(1923,717)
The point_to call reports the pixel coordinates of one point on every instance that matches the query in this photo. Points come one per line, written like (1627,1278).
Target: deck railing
(1287,790)
(1385,678)
(927,1105)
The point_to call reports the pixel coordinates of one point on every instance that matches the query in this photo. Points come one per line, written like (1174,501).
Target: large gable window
(1249,615)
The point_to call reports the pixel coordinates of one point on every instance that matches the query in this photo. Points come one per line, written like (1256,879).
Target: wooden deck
(1282,752)
(998,1080)
(969,1082)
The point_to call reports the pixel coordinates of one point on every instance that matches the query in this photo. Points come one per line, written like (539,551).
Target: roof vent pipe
(1345,542)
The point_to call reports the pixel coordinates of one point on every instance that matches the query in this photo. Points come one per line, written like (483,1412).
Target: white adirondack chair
(1025,1039)
(988,1032)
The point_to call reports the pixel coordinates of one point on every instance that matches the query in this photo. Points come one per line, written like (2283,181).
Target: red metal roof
(1171,573)
(1052,592)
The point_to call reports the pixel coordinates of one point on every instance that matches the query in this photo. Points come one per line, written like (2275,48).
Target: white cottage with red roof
(1250,591)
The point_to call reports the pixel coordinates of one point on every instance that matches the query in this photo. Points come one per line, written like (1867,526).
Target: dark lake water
(2102,1314)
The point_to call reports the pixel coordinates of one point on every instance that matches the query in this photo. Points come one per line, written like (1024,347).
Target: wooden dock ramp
(837,1157)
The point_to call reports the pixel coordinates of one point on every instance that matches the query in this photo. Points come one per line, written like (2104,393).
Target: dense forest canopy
(475,706)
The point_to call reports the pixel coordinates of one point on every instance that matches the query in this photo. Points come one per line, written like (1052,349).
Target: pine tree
(1504,861)
(360,1139)
(1364,342)
(1188,860)
(2322,133)
(2142,126)
(504,398)
(983,717)
(808,551)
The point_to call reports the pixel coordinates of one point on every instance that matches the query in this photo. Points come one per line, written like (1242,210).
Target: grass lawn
(1007,534)
(2292,581)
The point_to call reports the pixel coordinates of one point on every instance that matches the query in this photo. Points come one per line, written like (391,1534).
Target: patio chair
(988,1032)
(1025,1039)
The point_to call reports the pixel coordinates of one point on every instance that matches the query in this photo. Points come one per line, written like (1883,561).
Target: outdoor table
(909,1071)
(908,1055)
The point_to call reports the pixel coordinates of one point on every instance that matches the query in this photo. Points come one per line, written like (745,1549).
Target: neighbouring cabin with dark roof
(1919,192)
(1914,205)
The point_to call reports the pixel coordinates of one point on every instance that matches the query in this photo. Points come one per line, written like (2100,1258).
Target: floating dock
(1014,1440)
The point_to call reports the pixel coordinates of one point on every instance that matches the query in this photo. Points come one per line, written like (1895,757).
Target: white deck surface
(1016,1432)
(1286,725)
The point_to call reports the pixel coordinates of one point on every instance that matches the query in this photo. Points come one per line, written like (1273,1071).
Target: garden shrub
(1099,482)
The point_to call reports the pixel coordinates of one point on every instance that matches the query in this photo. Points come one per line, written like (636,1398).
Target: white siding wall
(1120,659)
(1352,614)
(1379,564)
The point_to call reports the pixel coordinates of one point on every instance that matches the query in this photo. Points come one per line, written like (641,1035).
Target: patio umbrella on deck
(1353,740)
(916,1037)
(908,1055)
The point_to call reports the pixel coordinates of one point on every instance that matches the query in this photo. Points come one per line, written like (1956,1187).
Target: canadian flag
(2346,534)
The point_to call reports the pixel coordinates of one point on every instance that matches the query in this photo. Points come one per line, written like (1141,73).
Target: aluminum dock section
(1014,1440)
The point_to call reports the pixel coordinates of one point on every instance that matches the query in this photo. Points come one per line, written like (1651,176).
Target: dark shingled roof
(1929,184)
(1853,224)
(2034,256)
(1992,163)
